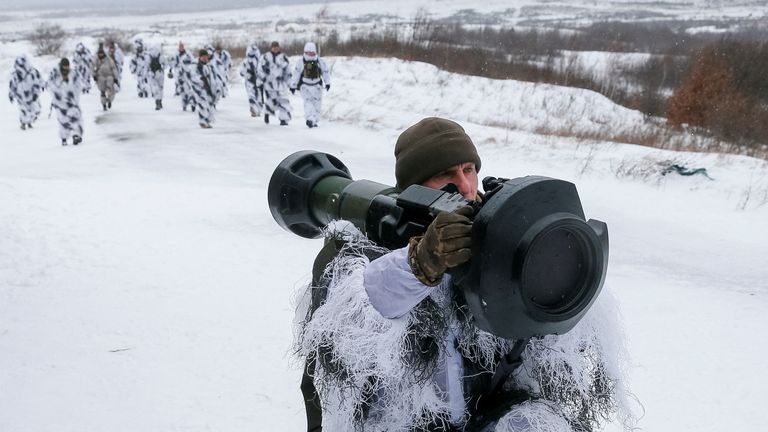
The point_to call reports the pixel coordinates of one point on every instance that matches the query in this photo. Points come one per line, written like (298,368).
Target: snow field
(145,286)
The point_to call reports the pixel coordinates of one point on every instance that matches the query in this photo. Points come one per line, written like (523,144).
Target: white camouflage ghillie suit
(222,60)
(217,72)
(24,88)
(179,68)
(205,88)
(82,60)
(274,72)
(249,70)
(310,75)
(403,372)
(117,55)
(140,68)
(156,73)
(65,87)
(105,74)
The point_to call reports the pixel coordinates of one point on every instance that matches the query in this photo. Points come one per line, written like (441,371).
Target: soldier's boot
(104,106)
(283,123)
(23,126)
(266,118)
(157,105)
(63,142)
(76,139)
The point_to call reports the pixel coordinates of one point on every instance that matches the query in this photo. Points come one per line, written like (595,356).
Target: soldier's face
(203,59)
(464,176)
(275,50)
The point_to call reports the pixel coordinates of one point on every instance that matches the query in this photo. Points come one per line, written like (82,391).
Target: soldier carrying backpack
(309,76)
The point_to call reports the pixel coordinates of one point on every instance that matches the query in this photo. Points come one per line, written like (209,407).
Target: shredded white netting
(366,362)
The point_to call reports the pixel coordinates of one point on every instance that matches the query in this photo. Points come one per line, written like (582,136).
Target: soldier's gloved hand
(10,98)
(327,87)
(170,75)
(34,98)
(446,244)
(293,91)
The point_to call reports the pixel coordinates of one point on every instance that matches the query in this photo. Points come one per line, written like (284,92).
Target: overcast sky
(139,5)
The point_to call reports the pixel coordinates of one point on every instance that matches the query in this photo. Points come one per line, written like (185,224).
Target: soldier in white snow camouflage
(249,70)
(66,87)
(274,72)
(217,72)
(24,88)
(117,55)
(222,60)
(156,73)
(204,86)
(82,60)
(310,75)
(140,68)
(179,68)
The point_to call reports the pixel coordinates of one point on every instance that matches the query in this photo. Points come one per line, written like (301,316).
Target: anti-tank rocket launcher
(537,264)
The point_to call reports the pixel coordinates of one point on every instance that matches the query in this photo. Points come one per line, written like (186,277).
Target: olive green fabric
(430,147)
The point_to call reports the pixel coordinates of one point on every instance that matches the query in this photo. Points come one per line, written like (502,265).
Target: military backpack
(154,64)
(311,69)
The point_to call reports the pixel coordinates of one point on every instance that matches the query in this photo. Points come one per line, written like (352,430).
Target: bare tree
(48,38)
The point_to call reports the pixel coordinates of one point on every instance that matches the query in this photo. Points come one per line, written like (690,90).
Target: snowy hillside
(145,287)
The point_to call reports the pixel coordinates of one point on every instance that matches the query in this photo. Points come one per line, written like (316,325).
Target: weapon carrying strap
(509,362)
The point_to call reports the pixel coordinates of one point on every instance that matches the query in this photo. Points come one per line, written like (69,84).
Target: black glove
(327,87)
(446,244)
(170,75)
(293,91)
(34,98)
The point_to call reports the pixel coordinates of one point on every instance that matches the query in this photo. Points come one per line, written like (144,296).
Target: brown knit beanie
(430,147)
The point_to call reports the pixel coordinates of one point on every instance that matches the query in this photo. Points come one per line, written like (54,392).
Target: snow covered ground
(145,287)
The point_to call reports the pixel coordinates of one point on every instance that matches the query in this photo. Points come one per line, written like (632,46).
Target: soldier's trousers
(205,112)
(156,82)
(313,99)
(277,104)
(254,97)
(29,111)
(70,121)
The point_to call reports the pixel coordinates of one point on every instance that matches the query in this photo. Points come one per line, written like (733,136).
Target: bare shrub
(727,94)
(48,39)
(645,169)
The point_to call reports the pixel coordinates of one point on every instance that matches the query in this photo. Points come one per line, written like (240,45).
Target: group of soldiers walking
(200,84)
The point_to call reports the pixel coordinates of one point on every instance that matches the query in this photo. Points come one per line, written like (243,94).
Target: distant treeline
(668,84)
